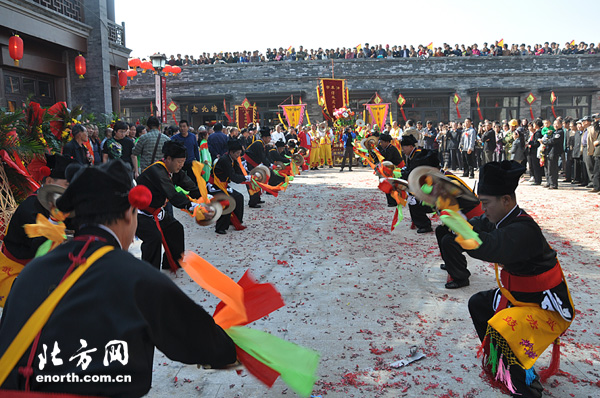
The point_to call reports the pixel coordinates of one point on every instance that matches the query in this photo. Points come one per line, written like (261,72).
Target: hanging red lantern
(176,70)
(134,63)
(147,65)
(15,48)
(122,79)
(131,73)
(168,69)
(80,67)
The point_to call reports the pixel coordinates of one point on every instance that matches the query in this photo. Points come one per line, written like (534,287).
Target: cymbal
(441,186)
(221,198)
(302,151)
(279,165)
(262,173)
(214,207)
(298,159)
(370,143)
(48,194)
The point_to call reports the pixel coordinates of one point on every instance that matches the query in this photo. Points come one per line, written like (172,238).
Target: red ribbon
(164,242)
(553,114)
(457,111)
(531,112)
(479,111)
(403,115)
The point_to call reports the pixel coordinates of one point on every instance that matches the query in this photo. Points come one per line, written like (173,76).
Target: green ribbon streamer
(44,248)
(181,190)
(296,364)
(400,216)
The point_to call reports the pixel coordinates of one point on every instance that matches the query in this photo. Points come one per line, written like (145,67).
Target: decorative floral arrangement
(344,117)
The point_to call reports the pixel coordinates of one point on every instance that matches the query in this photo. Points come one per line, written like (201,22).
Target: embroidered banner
(332,94)
(294,114)
(378,113)
(245,114)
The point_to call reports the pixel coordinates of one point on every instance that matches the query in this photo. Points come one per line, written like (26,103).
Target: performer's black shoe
(457,284)
(424,230)
(343,170)
(257,206)
(443,266)
(221,232)
(349,169)
(261,201)
(331,167)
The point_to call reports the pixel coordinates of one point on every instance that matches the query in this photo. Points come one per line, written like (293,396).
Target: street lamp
(158,61)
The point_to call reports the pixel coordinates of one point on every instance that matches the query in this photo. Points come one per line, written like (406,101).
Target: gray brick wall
(389,77)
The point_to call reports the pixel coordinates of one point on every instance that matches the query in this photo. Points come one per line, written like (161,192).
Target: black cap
(499,178)
(98,189)
(265,131)
(280,144)
(57,165)
(408,140)
(234,145)
(385,137)
(586,119)
(174,149)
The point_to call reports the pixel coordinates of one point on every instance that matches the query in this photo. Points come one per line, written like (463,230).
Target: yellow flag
(430,46)
(501,43)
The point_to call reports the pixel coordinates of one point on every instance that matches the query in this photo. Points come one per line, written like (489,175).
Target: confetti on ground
(363,296)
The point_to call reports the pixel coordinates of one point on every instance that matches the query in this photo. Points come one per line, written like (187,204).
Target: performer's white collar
(506,216)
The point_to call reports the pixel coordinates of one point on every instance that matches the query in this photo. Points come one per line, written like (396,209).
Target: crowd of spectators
(563,147)
(384,52)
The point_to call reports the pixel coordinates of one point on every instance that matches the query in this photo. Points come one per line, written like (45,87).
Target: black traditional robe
(118,298)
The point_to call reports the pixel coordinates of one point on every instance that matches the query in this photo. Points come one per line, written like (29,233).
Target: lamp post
(158,62)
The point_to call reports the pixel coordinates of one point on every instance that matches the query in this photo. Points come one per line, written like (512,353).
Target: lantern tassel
(16,62)
(81,77)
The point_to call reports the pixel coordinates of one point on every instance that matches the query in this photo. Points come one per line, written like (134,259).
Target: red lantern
(15,48)
(176,70)
(131,73)
(168,69)
(122,79)
(134,63)
(80,68)
(147,65)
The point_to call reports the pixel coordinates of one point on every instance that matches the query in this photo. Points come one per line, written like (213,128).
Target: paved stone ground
(362,295)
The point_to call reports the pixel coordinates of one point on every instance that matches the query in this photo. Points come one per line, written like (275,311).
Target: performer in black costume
(416,157)
(530,269)
(256,155)
(278,154)
(161,178)
(118,302)
(455,262)
(228,170)
(391,154)
(17,248)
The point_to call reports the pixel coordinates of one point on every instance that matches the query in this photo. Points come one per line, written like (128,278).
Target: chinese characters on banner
(332,94)
(294,114)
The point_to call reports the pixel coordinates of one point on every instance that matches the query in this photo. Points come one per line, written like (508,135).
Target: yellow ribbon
(43,227)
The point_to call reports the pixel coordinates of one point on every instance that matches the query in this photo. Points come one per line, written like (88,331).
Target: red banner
(245,114)
(332,95)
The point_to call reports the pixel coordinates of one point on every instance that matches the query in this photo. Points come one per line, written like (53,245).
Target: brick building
(428,85)
(54,32)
